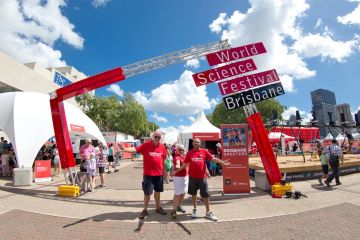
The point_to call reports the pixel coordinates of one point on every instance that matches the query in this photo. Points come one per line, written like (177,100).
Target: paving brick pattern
(336,222)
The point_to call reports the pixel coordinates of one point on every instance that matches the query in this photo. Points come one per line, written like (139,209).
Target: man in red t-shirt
(196,159)
(154,155)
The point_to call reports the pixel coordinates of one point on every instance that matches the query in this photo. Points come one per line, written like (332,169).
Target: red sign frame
(223,72)
(248,82)
(233,54)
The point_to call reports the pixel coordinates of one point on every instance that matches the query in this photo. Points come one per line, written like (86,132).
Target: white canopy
(340,137)
(278,135)
(201,125)
(328,137)
(25,117)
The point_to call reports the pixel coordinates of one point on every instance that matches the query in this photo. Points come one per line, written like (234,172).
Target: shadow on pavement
(322,187)
(49,194)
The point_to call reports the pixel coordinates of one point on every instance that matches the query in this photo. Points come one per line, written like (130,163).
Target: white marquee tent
(201,125)
(276,136)
(25,117)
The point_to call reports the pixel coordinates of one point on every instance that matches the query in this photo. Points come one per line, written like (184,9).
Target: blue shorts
(151,183)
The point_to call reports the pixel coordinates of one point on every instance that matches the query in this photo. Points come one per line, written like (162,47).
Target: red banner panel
(233,54)
(265,149)
(206,136)
(235,149)
(253,96)
(42,170)
(248,82)
(77,128)
(224,72)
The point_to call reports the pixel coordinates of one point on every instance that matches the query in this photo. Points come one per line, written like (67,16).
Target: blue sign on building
(61,80)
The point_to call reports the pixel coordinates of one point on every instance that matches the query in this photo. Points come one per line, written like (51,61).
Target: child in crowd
(168,163)
(5,163)
(91,171)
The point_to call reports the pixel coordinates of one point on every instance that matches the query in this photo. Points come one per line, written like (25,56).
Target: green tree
(221,115)
(110,114)
(104,111)
(133,118)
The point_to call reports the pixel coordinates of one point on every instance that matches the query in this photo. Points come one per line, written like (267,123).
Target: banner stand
(236,178)
(42,171)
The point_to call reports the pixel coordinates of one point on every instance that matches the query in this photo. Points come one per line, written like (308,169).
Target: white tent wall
(25,117)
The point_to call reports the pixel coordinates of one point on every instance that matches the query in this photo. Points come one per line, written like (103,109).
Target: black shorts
(198,183)
(110,158)
(101,169)
(151,183)
(325,169)
(83,166)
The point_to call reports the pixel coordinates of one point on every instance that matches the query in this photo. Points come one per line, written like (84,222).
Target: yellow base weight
(280,190)
(69,191)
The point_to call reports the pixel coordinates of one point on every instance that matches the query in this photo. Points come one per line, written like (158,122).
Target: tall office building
(343,115)
(323,105)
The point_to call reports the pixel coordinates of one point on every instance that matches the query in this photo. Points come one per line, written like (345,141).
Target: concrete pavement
(112,213)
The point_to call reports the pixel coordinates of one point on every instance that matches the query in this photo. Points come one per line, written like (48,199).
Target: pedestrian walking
(334,154)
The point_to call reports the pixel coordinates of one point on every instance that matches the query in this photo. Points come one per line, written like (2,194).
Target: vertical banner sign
(235,149)
(42,171)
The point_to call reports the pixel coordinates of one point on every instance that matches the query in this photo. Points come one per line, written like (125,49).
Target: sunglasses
(157,137)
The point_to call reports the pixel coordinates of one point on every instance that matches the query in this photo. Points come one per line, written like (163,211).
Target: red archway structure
(58,112)
(109,77)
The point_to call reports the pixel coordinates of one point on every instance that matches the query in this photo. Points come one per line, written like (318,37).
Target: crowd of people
(97,161)
(7,158)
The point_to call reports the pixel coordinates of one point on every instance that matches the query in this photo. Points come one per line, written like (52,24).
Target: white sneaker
(193,214)
(211,216)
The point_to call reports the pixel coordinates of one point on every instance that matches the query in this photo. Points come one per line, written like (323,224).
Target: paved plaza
(36,212)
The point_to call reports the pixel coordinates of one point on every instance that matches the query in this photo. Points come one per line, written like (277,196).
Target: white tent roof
(25,117)
(340,137)
(328,137)
(201,125)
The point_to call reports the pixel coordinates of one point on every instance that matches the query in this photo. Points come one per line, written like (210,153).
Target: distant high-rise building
(292,120)
(343,114)
(324,102)
(357,118)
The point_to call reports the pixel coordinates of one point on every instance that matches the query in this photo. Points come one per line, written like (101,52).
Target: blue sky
(312,44)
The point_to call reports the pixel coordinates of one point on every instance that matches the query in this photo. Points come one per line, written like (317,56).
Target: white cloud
(318,23)
(171,133)
(194,63)
(116,89)
(158,118)
(29,29)
(351,18)
(180,97)
(99,3)
(277,25)
(306,117)
(314,45)
(218,23)
(192,118)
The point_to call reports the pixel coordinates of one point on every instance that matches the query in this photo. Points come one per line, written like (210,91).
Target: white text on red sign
(233,54)
(224,72)
(248,82)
